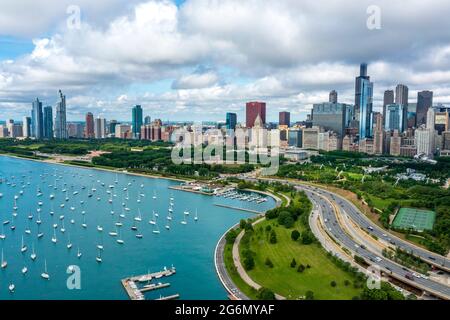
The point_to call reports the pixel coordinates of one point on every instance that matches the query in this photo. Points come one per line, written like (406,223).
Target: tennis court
(417,219)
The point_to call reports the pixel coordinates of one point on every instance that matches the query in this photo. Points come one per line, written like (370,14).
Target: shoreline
(96,168)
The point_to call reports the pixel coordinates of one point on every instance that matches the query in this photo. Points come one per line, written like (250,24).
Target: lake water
(189,247)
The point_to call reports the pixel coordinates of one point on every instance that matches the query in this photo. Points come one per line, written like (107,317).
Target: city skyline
(205,78)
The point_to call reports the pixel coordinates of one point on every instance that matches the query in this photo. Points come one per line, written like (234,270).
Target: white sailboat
(24,270)
(33,255)
(69,244)
(23,248)
(120,240)
(98,258)
(156,230)
(45,274)
(153,220)
(154,195)
(11,287)
(79,253)
(3,235)
(139,217)
(4,263)
(184,220)
(196,216)
(54,239)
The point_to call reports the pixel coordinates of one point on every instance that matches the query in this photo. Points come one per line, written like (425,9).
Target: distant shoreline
(97,168)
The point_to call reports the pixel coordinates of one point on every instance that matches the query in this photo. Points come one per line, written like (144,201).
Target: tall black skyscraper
(362,76)
(424,102)
(48,122)
(333,98)
(387,100)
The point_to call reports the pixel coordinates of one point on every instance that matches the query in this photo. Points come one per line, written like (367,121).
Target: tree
(309,295)
(269,262)
(265,294)
(293,263)
(273,237)
(242,224)
(231,236)
(307,237)
(301,268)
(346,283)
(295,235)
(333,283)
(249,263)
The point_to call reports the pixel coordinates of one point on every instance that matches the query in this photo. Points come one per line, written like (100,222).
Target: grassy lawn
(285,280)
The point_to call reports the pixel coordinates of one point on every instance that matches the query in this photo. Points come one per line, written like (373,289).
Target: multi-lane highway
(320,199)
(360,219)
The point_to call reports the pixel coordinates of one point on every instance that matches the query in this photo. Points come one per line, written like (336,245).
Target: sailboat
(45,274)
(120,241)
(11,287)
(4,263)
(33,255)
(139,217)
(84,225)
(98,258)
(54,239)
(156,230)
(154,195)
(63,228)
(3,235)
(99,228)
(153,221)
(184,220)
(196,216)
(69,244)
(186,212)
(139,235)
(39,221)
(79,253)
(23,248)
(24,270)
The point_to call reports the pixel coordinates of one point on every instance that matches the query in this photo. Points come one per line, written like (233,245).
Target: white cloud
(288,53)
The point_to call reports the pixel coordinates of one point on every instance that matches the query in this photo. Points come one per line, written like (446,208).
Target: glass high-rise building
(388,99)
(231,120)
(48,122)
(284,118)
(37,121)
(358,86)
(333,97)
(396,117)
(332,116)
(60,119)
(424,102)
(26,123)
(89,128)
(365,109)
(137,117)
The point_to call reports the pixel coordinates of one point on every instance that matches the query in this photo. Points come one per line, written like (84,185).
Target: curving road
(333,227)
(373,229)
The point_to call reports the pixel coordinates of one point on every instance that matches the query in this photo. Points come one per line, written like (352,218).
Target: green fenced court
(416,219)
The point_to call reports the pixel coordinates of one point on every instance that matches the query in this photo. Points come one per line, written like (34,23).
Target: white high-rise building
(26,124)
(100,128)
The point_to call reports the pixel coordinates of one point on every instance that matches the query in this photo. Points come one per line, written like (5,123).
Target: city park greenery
(381,190)
(283,256)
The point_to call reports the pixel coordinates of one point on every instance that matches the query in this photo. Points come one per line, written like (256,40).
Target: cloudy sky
(197,59)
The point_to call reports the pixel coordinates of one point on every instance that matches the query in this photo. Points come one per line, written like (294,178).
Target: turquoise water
(190,247)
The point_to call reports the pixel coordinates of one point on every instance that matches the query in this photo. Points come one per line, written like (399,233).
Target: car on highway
(409,276)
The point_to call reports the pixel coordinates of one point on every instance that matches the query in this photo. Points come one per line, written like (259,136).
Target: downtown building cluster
(401,128)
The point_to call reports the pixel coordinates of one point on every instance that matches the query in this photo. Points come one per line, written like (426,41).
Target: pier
(136,293)
(172,297)
(237,208)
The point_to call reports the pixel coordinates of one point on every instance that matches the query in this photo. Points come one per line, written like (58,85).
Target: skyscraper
(137,121)
(26,127)
(89,129)
(396,117)
(387,100)
(378,135)
(100,128)
(284,118)
(48,122)
(252,110)
(365,109)
(333,97)
(60,119)
(231,120)
(332,116)
(37,123)
(147,120)
(112,126)
(358,86)
(424,102)
(401,95)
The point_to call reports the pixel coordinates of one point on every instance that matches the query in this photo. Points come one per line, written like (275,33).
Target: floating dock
(237,208)
(172,297)
(136,293)
(157,286)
